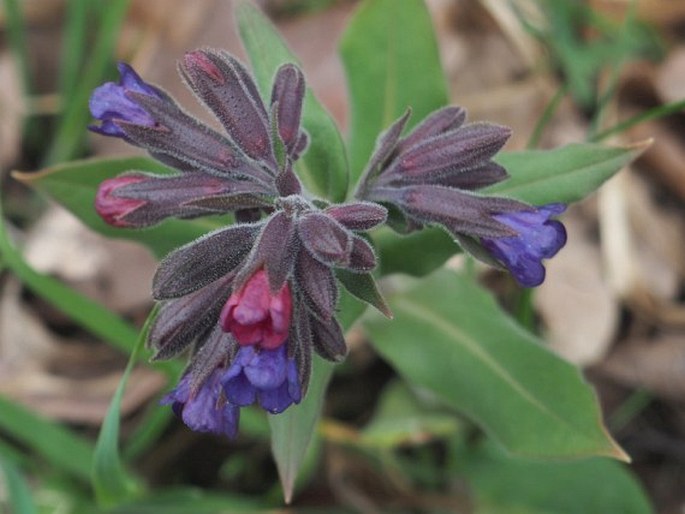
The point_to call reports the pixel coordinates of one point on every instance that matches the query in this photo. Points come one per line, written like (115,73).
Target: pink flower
(113,208)
(255,315)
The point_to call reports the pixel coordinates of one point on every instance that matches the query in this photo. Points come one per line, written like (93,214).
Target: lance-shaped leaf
(203,261)
(391,61)
(364,287)
(323,169)
(450,337)
(226,87)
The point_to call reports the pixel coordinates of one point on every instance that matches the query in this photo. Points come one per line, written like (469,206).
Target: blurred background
(557,72)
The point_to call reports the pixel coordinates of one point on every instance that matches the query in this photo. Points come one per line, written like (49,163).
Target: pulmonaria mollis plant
(255,299)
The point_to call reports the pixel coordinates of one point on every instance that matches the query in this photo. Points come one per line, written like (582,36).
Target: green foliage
(581,58)
(450,341)
(591,486)
(323,169)
(450,337)
(111,481)
(391,62)
(19,493)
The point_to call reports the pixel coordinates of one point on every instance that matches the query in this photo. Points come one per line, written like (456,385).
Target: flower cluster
(429,177)
(255,299)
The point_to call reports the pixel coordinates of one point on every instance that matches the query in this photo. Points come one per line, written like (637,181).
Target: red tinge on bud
(113,208)
(255,315)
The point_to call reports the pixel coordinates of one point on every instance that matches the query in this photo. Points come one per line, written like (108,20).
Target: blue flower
(205,409)
(110,103)
(538,237)
(265,376)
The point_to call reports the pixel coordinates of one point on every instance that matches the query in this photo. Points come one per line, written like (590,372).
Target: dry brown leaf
(579,309)
(657,365)
(12,110)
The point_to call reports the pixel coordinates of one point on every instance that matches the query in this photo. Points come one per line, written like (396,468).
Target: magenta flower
(255,315)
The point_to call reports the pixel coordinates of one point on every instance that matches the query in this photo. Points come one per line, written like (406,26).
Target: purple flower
(538,237)
(268,377)
(204,408)
(111,103)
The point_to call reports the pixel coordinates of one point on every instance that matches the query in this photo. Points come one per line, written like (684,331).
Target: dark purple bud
(442,120)
(317,285)
(460,149)
(140,200)
(362,257)
(204,409)
(385,146)
(287,182)
(203,261)
(186,319)
(538,237)
(328,339)
(458,211)
(287,94)
(234,201)
(114,208)
(110,102)
(268,377)
(358,215)
(325,239)
(226,87)
(472,179)
(277,248)
(300,145)
(182,138)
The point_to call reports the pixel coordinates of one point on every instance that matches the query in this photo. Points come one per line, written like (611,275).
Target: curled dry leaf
(71,381)
(579,309)
(657,365)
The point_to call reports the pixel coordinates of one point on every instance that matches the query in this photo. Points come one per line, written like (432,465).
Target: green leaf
(363,287)
(391,61)
(323,168)
(450,337)
(56,444)
(186,501)
(566,174)
(75,184)
(20,500)
(111,482)
(592,486)
(416,254)
(292,430)
(400,419)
